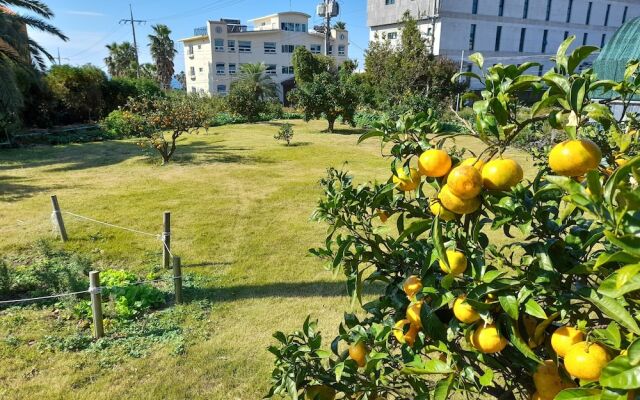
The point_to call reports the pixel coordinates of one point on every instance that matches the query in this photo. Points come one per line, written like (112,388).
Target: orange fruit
(437,209)
(474,162)
(412,286)
(586,360)
(487,339)
(358,353)
(404,182)
(548,381)
(319,392)
(465,182)
(621,162)
(501,174)
(413,314)
(457,263)
(410,336)
(574,157)
(565,337)
(434,163)
(455,204)
(464,312)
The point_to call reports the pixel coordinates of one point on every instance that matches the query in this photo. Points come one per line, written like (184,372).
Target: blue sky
(90,24)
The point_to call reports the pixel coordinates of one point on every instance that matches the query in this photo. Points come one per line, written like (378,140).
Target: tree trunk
(331,122)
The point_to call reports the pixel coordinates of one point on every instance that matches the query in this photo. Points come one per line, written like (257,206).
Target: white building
(213,56)
(505,31)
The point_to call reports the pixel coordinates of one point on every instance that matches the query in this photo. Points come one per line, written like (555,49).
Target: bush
(118,91)
(285,133)
(78,92)
(122,123)
(366,119)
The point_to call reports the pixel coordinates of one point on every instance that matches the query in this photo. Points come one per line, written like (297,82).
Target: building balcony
(201,31)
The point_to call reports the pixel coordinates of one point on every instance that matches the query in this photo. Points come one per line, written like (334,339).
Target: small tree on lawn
(165,119)
(285,133)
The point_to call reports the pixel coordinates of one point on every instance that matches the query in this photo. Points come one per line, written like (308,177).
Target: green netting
(623,47)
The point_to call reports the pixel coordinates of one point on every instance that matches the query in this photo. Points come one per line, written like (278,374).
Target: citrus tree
(491,285)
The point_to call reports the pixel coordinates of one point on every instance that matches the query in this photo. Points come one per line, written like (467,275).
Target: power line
(133,23)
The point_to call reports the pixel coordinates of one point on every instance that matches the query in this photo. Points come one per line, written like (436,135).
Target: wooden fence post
(177,279)
(166,240)
(96,304)
(58,217)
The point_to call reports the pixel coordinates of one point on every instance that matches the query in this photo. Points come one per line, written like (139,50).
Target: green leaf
(628,243)
(442,389)
(532,308)
(620,174)
(578,394)
(558,81)
(618,257)
(487,378)
(578,56)
(339,368)
(612,308)
(577,94)
(477,59)
(517,342)
(427,367)
(416,228)
(633,352)
(620,374)
(438,244)
(510,305)
(623,281)
(370,135)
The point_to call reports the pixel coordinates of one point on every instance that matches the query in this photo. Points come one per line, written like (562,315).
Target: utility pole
(133,30)
(327,26)
(461,66)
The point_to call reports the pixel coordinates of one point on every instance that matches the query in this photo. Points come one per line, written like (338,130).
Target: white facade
(504,31)
(214,55)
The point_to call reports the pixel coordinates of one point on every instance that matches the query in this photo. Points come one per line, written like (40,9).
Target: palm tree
(121,61)
(340,25)
(163,52)
(255,75)
(17,50)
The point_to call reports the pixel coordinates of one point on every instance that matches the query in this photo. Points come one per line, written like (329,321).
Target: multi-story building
(505,31)
(213,56)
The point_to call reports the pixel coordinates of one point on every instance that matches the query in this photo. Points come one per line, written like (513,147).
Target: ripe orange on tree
(586,360)
(456,204)
(434,163)
(488,339)
(437,209)
(465,182)
(501,174)
(464,312)
(413,313)
(410,336)
(548,381)
(358,353)
(457,263)
(406,182)
(412,286)
(574,157)
(565,337)
(474,162)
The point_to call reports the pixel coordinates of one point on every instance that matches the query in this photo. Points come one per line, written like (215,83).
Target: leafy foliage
(285,133)
(253,92)
(569,255)
(163,52)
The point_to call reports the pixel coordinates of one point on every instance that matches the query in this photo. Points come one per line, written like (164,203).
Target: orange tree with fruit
(544,307)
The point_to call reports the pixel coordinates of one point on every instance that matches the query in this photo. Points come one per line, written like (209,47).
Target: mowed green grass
(240,204)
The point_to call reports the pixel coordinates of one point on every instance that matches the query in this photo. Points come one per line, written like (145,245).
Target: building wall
(455,19)
(213,66)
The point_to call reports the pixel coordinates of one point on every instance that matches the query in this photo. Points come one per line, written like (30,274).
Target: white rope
(165,246)
(42,297)
(112,225)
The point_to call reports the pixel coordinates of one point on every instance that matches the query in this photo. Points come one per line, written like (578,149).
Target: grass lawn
(240,204)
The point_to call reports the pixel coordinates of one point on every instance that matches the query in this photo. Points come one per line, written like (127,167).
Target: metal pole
(96,304)
(166,240)
(58,217)
(135,42)
(458,96)
(177,279)
(327,28)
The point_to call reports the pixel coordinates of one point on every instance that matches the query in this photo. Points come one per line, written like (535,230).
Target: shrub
(285,133)
(366,119)
(464,312)
(118,91)
(123,123)
(78,92)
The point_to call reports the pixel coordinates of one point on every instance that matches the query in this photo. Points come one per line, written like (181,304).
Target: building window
(218,44)
(585,37)
(190,50)
(232,69)
(288,48)
(589,13)
(606,15)
(219,68)
(221,89)
(193,89)
(200,69)
(569,9)
(525,11)
(392,35)
(624,14)
(540,70)
(315,49)
(192,71)
(603,40)
(389,2)
(472,37)
(287,70)
(523,34)
(330,49)
(271,69)
(501,8)
(270,47)
(474,8)
(231,45)
(548,10)
(498,37)
(545,34)
(244,46)
(292,27)
(566,35)
(341,50)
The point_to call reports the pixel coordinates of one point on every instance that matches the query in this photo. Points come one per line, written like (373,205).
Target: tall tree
(181,77)
(121,61)
(163,52)
(17,50)
(340,25)
(250,94)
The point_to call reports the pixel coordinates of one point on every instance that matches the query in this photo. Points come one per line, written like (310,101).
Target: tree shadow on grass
(276,290)
(348,131)
(202,152)
(12,188)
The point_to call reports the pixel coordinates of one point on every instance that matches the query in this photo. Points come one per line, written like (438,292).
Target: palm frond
(9,51)
(36,6)
(39,24)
